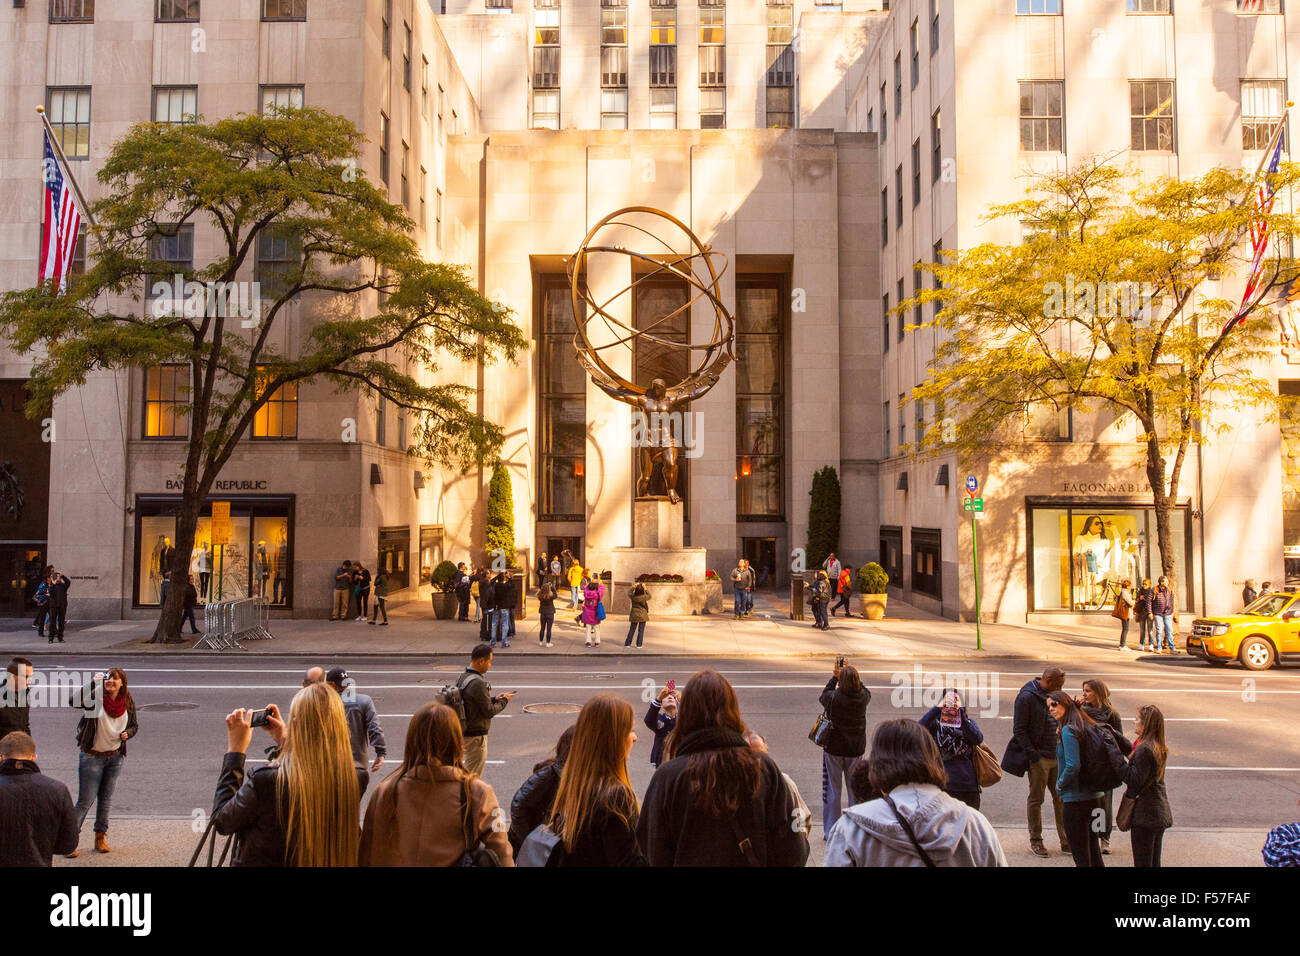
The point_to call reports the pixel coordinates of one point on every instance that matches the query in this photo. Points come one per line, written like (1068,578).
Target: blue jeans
(835,787)
(498,625)
(739,597)
(548,622)
(637,628)
(575,595)
(1166,622)
(96,777)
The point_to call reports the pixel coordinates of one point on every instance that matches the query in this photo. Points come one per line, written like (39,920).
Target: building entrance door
(761,555)
(20,574)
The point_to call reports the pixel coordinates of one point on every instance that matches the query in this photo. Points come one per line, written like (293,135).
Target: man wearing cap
(363,724)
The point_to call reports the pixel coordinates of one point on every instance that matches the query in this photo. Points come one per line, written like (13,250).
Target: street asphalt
(1234,768)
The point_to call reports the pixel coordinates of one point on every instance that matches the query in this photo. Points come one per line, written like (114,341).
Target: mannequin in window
(261,568)
(281,567)
(1094,546)
(201,564)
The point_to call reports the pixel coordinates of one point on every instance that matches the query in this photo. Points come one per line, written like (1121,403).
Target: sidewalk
(170,841)
(905,634)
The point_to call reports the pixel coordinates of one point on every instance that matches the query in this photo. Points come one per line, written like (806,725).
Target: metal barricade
(225,623)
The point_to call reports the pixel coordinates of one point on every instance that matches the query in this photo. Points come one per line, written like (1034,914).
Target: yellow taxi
(1260,635)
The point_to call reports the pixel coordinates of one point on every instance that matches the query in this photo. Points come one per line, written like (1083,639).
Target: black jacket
(532,803)
(607,840)
(246,806)
(1105,715)
(962,777)
(59,593)
(505,594)
(848,713)
(36,816)
(1033,731)
(661,725)
(1152,808)
(13,716)
(673,832)
(480,708)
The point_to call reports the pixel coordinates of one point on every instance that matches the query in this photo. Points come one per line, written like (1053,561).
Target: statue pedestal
(658,533)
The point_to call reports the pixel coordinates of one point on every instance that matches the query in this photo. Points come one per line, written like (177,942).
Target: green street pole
(975,557)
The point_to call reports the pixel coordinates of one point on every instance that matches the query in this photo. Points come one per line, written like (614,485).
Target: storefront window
(431,545)
(257,560)
(1082,555)
(927,572)
(394,547)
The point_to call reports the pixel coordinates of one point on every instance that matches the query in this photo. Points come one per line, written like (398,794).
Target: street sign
(973,504)
(972,485)
(220,522)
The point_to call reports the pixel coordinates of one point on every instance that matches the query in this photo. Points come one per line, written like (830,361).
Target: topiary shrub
(442,575)
(823,516)
(872,579)
(501,517)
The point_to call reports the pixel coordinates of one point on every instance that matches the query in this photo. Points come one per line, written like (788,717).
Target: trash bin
(797,599)
(521,607)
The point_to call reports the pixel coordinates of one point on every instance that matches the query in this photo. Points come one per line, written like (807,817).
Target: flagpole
(67,168)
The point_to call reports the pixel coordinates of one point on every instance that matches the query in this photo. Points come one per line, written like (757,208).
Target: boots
(101,842)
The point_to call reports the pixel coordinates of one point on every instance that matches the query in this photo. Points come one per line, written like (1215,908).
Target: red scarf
(115,707)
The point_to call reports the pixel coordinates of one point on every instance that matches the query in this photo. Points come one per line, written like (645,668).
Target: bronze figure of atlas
(660,403)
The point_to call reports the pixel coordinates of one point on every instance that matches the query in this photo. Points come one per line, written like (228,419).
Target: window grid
(406,58)
(546,26)
(1036,7)
(884,311)
(760,402)
(898,85)
(386,39)
(916,174)
(383,148)
(936,146)
(889,441)
(916,53)
(175,105)
(1262,105)
(278,417)
(713,108)
(284,9)
(68,110)
(663,108)
(166,387)
(546,109)
(1041,118)
(902,327)
(172,10)
(1148,6)
(281,98)
(177,250)
(1151,114)
(72,11)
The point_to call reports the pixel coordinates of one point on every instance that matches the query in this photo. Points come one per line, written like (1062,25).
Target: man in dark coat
(14,709)
(1032,750)
(37,819)
(461,584)
(481,705)
(59,585)
(505,597)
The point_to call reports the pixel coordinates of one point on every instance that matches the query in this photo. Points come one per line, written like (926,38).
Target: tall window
(898,196)
(713,22)
(613,23)
(562,405)
(278,418)
(934,27)
(386,28)
(1024,7)
(902,423)
(663,108)
(613,109)
(780,66)
(884,311)
(177,10)
(663,25)
(175,105)
(1041,117)
(613,64)
(916,53)
(284,9)
(936,147)
(902,328)
(898,85)
(889,441)
(916,174)
(546,50)
(884,115)
(1262,105)
(499,6)
(884,216)
(406,58)
(760,401)
(406,184)
(72,11)
(1148,6)
(383,148)
(713,51)
(68,109)
(442,97)
(938,282)
(1151,114)
(424,192)
(281,98)
(279,262)
(546,109)
(166,389)
(177,252)
(424,87)
(437,217)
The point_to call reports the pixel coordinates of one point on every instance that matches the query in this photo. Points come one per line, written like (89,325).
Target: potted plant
(873,583)
(444,598)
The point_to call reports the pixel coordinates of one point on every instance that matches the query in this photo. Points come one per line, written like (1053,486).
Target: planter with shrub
(873,584)
(444,598)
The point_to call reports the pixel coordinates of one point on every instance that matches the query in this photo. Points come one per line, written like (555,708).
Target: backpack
(1104,762)
(453,695)
(43,593)
(542,847)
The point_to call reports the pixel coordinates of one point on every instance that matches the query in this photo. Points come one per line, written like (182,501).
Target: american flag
(61,224)
(1265,196)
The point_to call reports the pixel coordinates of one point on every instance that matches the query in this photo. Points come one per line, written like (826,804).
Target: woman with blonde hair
(302,808)
(431,811)
(596,812)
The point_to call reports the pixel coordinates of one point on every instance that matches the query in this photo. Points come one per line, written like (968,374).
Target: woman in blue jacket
(1083,807)
(957,736)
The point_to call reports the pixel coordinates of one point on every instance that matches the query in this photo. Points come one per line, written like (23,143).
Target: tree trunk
(1163,505)
(168,630)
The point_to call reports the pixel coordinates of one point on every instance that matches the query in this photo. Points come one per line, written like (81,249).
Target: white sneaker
(549,644)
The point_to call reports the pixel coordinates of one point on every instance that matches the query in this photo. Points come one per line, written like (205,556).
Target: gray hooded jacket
(952,833)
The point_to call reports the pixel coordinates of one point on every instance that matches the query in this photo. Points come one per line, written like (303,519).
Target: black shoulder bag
(477,853)
(907,828)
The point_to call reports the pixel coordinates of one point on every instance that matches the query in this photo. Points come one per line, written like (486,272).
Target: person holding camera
(107,723)
(660,720)
(845,703)
(302,808)
(957,736)
(431,811)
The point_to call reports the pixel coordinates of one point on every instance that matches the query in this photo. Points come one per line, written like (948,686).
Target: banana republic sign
(234,484)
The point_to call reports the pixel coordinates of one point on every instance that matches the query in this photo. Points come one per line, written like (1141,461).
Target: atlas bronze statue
(660,403)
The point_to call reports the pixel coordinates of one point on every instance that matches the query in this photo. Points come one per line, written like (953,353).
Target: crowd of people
(911,797)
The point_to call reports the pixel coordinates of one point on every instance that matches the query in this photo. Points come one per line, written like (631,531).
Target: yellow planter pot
(873,606)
